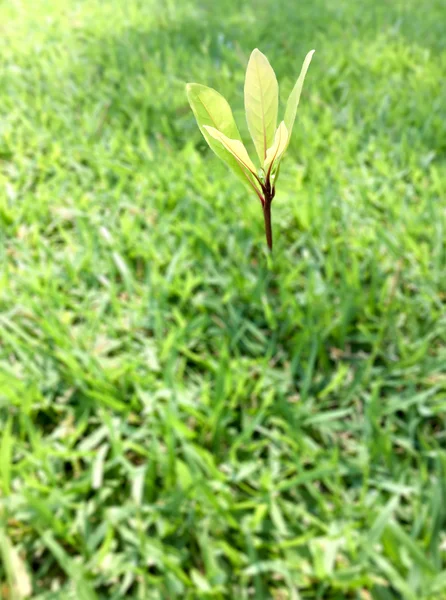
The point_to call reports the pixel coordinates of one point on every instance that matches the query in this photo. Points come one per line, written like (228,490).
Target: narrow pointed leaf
(261,102)
(274,154)
(210,108)
(293,100)
(235,147)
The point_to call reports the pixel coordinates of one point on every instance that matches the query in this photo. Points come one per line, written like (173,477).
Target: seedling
(216,122)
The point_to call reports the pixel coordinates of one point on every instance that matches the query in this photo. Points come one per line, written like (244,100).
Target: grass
(181,416)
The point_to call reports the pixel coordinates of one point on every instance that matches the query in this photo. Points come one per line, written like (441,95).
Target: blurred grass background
(177,419)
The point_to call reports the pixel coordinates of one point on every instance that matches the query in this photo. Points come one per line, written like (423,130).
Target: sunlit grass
(179,421)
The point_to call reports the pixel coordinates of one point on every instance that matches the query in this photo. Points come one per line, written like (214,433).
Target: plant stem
(267,217)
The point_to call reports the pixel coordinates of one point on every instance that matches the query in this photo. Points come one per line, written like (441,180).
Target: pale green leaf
(211,109)
(235,147)
(274,154)
(293,100)
(261,102)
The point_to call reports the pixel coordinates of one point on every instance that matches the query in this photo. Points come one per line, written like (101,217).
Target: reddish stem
(267,217)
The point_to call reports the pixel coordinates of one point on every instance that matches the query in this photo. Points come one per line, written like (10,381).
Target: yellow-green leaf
(211,109)
(274,153)
(235,147)
(293,100)
(261,102)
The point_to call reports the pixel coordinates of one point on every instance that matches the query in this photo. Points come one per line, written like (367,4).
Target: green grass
(181,416)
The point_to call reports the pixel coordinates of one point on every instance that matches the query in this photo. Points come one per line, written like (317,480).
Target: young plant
(216,122)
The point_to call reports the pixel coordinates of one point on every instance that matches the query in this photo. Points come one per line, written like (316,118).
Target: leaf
(293,100)
(276,151)
(211,109)
(235,147)
(261,102)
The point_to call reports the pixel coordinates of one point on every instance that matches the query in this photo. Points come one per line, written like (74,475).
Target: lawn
(182,415)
